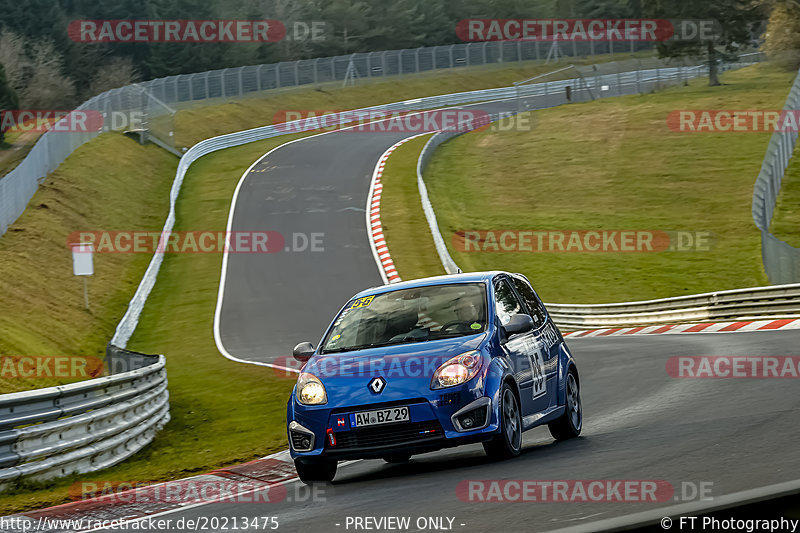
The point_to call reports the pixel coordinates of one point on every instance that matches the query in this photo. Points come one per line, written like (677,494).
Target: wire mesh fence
(149,107)
(781,261)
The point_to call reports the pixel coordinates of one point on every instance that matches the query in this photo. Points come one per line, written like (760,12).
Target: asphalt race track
(318,185)
(640,424)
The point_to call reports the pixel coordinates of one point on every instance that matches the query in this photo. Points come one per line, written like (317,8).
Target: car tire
(508,442)
(398,458)
(569,425)
(316,471)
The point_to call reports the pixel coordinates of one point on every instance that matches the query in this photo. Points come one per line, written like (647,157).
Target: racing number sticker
(535,353)
(537,371)
(362,302)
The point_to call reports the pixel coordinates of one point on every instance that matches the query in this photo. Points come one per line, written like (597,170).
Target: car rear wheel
(316,471)
(570,423)
(508,442)
(398,458)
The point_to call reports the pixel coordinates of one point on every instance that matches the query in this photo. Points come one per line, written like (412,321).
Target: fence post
(277,75)
(241,81)
(638,74)
(485,43)
(416,59)
(383,63)
(207,93)
(222,81)
(191,87)
(451,55)
(258,78)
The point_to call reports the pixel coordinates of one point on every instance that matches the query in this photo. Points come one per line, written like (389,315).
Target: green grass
(41,308)
(222,412)
(611,164)
(196,123)
(786,218)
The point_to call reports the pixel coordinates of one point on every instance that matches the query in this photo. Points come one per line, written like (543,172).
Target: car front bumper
(436,421)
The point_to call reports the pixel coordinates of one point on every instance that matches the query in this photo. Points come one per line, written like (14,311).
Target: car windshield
(409,315)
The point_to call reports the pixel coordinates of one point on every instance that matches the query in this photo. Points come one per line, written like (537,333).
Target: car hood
(407,369)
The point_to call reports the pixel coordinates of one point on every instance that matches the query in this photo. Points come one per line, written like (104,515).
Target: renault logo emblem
(377,385)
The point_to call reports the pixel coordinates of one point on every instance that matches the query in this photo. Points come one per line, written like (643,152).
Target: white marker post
(83,265)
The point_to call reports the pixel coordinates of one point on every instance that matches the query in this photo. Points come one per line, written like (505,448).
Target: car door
(525,352)
(545,331)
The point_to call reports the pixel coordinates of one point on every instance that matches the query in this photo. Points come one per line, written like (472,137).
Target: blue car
(421,365)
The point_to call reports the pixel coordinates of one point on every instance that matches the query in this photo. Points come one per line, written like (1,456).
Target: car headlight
(310,390)
(457,370)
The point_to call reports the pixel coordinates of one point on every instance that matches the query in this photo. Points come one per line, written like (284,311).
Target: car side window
(534,305)
(506,303)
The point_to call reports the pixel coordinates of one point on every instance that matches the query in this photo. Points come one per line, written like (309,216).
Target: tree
(735,18)
(116,72)
(8,98)
(782,38)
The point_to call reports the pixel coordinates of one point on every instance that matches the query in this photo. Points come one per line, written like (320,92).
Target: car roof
(466,277)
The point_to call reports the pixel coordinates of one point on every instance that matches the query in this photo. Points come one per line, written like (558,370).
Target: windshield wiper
(349,348)
(374,345)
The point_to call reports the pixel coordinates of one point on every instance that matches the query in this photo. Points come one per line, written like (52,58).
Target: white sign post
(83,265)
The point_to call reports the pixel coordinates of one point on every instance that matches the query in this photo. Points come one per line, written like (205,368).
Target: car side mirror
(303,351)
(518,324)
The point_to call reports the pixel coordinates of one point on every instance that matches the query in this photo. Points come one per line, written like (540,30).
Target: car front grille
(388,435)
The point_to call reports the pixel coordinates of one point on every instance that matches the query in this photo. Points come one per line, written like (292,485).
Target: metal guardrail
(781,261)
(545,95)
(83,426)
(552,90)
(93,424)
(745,304)
(758,302)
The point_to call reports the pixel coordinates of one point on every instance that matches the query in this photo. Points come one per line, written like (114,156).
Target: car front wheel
(508,442)
(316,471)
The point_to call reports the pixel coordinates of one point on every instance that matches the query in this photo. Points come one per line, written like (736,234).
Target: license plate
(381,416)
